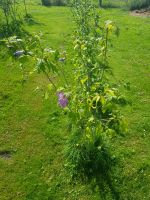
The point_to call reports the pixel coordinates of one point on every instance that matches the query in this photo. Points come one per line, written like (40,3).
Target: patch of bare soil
(5,154)
(141,13)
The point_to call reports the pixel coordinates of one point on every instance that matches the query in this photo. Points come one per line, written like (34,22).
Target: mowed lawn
(33,131)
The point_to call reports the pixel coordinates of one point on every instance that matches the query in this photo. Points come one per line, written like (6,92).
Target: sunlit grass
(34,130)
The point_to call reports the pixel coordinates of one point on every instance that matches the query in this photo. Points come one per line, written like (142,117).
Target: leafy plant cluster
(12,22)
(92,103)
(45,60)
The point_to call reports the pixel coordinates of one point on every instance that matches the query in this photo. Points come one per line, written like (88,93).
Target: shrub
(46,2)
(59,3)
(53,2)
(139,4)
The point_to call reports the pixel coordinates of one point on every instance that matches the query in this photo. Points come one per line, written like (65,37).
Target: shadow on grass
(106,187)
(103,179)
(93,163)
(31,21)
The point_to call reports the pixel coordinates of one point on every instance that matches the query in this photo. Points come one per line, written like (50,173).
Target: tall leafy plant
(93,108)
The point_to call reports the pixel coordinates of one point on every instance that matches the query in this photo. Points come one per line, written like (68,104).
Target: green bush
(59,3)
(53,2)
(46,2)
(139,4)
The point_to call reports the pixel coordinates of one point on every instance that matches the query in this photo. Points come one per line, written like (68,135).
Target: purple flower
(18,53)
(62,99)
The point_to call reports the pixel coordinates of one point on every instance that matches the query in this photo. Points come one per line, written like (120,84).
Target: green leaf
(23,59)
(40,65)
(84,80)
(46,95)
(50,86)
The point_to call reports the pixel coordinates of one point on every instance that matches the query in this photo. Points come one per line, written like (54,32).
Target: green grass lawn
(33,131)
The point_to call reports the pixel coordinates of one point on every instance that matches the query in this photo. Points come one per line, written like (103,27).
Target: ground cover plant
(32,140)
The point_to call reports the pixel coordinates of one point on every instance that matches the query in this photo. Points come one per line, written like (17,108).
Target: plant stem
(50,80)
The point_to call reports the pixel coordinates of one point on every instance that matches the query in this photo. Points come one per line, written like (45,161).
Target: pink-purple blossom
(62,99)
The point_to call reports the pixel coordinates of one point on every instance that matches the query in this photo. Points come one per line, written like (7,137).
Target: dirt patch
(141,13)
(5,154)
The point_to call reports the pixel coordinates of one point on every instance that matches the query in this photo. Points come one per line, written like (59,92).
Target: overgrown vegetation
(139,4)
(12,18)
(126,4)
(54,2)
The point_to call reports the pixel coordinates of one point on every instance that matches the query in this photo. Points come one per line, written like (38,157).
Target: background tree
(100,3)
